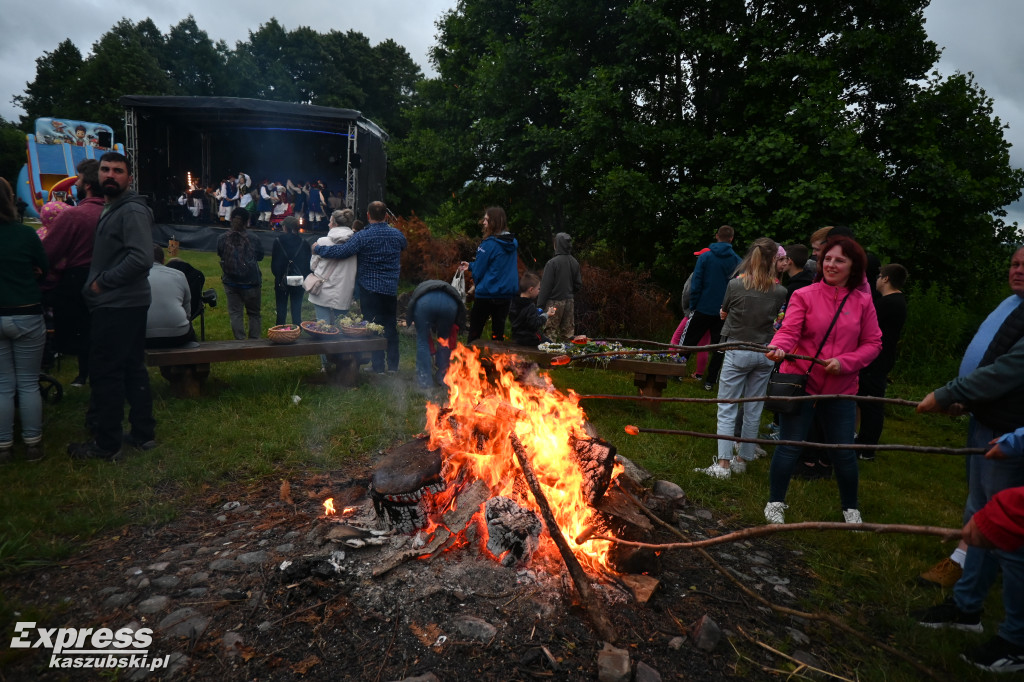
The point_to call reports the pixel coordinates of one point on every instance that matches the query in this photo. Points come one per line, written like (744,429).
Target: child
(527,319)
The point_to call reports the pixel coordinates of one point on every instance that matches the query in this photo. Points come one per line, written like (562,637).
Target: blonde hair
(758,267)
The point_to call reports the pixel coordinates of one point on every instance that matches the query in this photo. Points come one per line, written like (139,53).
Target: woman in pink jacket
(854,341)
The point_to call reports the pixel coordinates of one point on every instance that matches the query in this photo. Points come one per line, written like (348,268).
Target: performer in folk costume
(316,205)
(265,204)
(228,197)
(244,183)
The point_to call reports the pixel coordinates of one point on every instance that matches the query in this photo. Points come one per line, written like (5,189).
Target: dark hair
(357,225)
(852,250)
(89,173)
(290,224)
(376,211)
(116,157)
(8,211)
(725,233)
(497,221)
(158,254)
(239,219)
(798,253)
(527,281)
(896,273)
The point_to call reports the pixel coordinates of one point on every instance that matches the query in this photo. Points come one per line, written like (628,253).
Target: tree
(12,151)
(645,125)
(54,90)
(195,65)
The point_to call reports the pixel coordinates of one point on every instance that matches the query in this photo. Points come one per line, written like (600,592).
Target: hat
(704,250)
(781,253)
(50,210)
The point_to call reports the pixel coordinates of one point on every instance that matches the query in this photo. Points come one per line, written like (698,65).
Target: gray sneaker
(948,615)
(775,512)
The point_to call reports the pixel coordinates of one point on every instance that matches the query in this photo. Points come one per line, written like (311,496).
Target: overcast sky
(980,36)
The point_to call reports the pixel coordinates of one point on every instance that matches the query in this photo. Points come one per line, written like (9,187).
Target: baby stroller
(49,387)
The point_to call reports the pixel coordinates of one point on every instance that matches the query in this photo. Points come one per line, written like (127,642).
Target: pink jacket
(855,340)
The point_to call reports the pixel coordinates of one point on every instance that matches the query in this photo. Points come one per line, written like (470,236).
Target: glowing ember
(473,431)
(329,507)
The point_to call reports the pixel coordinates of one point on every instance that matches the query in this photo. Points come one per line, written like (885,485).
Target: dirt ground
(248,586)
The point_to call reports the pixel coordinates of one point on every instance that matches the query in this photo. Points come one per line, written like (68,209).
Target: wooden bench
(188,368)
(650,378)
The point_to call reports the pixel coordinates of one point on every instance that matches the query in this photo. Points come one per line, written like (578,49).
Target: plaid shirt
(379,247)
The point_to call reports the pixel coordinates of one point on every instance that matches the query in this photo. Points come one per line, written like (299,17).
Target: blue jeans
(744,373)
(981,567)
(435,312)
(837,418)
(22,338)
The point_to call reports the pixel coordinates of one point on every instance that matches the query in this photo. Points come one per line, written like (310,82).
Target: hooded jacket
(855,340)
(713,271)
(561,279)
(339,274)
(1001,520)
(122,255)
(495,270)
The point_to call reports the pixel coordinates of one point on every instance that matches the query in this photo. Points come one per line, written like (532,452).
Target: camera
(210,297)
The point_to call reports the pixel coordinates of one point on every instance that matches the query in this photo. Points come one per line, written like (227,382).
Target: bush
(934,337)
(616,302)
(430,257)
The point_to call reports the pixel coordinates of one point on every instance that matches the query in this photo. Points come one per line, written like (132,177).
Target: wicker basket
(311,328)
(284,333)
(355,331)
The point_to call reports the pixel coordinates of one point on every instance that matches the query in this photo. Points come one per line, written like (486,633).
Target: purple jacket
(855,340)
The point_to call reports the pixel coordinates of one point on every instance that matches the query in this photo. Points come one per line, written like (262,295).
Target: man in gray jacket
(558,288)
(118,295)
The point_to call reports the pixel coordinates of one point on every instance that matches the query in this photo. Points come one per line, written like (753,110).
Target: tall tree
(54,90)
(194,63)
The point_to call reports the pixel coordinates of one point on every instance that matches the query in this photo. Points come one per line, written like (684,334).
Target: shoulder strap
(830,326)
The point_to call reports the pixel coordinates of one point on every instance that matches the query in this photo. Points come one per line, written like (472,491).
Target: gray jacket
(751,313)
(122,255)
(561,279)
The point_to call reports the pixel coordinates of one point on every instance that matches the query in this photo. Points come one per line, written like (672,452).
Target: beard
(111,189)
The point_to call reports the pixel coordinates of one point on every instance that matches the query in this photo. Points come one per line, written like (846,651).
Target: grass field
(248,428)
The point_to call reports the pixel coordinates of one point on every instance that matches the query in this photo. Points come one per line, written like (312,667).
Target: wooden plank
(259,349)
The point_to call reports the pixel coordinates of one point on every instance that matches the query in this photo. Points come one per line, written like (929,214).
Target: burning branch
(758,531)
(598,617)
(636,430)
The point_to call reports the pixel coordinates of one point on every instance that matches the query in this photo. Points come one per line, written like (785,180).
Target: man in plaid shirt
(378,248)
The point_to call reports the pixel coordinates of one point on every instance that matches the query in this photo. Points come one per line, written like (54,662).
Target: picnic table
(188,368)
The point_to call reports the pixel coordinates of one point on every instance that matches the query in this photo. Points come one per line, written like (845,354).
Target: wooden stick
(560,360)
(778,608)
(598,617)
(754,399)
(771,529)
(634,430)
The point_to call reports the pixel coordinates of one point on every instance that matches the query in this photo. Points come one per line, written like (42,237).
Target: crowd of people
(830,314)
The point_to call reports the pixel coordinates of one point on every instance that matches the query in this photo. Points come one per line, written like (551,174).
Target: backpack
(239,257)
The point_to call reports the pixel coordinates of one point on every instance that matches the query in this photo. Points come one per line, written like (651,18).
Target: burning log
(513,533)
(598,617)
(596,459)
(403,485)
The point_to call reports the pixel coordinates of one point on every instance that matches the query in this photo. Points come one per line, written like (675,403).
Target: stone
(227,566)
(109,590)
(669,491)
(475,628)
(613,664)
(637,473)
(196,592)
(264,626)
(159,566)
(809,659)
(153,604)
(705,633)
(166,582)
(222,518)
(185,622)
(170,555)
(285,548)
(232,642)
(133,572)
(257,557)
(704,514)
(200,577)
(797,636)
(232,594)
(676,643)
(426,677)
(645,673)
(119,600)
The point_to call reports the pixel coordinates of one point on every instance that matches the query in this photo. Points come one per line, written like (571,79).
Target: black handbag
(789,384)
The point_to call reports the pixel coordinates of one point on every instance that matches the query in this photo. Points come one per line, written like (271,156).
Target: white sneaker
(775,512)
(738,465)
(759,451)
(852,516)
(715,471)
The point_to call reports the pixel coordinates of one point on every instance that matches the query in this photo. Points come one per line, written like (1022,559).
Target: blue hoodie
(495,270)
(710,277)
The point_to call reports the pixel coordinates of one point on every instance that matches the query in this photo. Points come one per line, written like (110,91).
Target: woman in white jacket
(338,275)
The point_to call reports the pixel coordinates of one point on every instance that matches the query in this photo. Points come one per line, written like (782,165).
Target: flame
(473,431)
(329,507)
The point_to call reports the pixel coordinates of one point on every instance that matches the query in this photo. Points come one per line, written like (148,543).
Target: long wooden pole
(752,399)
(634,430)
(602,624)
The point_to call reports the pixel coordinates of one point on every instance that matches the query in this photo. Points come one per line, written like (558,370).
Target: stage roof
(208,113)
